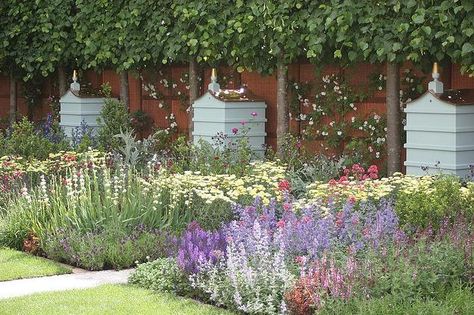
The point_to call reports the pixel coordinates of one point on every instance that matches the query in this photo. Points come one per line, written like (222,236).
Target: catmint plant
(198,247)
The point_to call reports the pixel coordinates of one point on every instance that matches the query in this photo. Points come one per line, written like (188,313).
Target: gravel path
(87,279)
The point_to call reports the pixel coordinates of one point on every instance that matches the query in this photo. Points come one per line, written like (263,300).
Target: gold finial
(435,68)
(214,73)
(74,76)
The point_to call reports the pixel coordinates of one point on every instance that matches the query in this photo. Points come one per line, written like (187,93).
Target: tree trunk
(124,96)
(62,82)
(394,146)
(193,94)
(282,105)
(13,99)
(237,78)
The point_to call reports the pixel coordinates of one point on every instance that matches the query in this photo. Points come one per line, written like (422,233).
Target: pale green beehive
(440,132)
(233,113)
(77,108)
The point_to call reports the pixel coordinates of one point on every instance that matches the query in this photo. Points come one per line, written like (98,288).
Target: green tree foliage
(199,31)
(35,35)
(124,35)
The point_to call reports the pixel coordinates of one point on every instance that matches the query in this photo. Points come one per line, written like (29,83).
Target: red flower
(284,185)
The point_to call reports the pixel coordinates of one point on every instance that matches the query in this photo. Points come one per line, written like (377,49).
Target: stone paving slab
(89,279)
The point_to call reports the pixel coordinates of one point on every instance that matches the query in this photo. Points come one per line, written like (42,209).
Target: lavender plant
(198,247)
(253,277)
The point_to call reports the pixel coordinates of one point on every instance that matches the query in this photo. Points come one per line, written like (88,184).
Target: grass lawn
(106,299)
(18,265)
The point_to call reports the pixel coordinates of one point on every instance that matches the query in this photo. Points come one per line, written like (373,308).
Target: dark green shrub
(27,142)
(161,275)
(113,119)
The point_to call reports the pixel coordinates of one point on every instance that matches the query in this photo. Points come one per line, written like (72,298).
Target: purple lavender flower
(198,247)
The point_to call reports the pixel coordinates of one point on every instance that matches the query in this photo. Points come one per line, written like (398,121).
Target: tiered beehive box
(233,113)
(440,133)
(76,108)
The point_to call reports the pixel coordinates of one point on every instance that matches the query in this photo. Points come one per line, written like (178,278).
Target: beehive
(232,113)
(77,108)
(440,133)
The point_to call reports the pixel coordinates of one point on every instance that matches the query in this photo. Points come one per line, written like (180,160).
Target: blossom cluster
(262,181)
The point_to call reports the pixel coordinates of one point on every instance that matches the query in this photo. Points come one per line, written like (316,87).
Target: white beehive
(233,113)
(440,132)
(76,108)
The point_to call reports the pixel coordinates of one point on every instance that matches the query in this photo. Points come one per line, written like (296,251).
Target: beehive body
(75,110)
(440,137)
(213,116)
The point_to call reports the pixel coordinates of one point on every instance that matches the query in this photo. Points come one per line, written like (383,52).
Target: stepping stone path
(80,279)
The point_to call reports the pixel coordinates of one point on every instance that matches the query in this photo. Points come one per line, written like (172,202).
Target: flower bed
(273,261)
(244,240)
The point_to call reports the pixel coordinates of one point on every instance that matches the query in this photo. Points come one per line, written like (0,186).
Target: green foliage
(303,167)
(429,204)
(27,142)
(114,118)
(124,35)
(458,301)
(224,156)
(141,121)
(426,270)
(162,275)
(36,35)
(281,26)
(137,153)
(115,246)
(419,31)
(200,31)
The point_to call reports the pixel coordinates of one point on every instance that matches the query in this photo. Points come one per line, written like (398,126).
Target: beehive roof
(457,97)
(242,95)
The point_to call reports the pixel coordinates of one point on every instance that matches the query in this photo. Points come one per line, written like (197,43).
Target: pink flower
(243,122)
(300,260)
(235,130)
(373,169)
(287,206)
(281,224)
(343,179)
(254,114)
